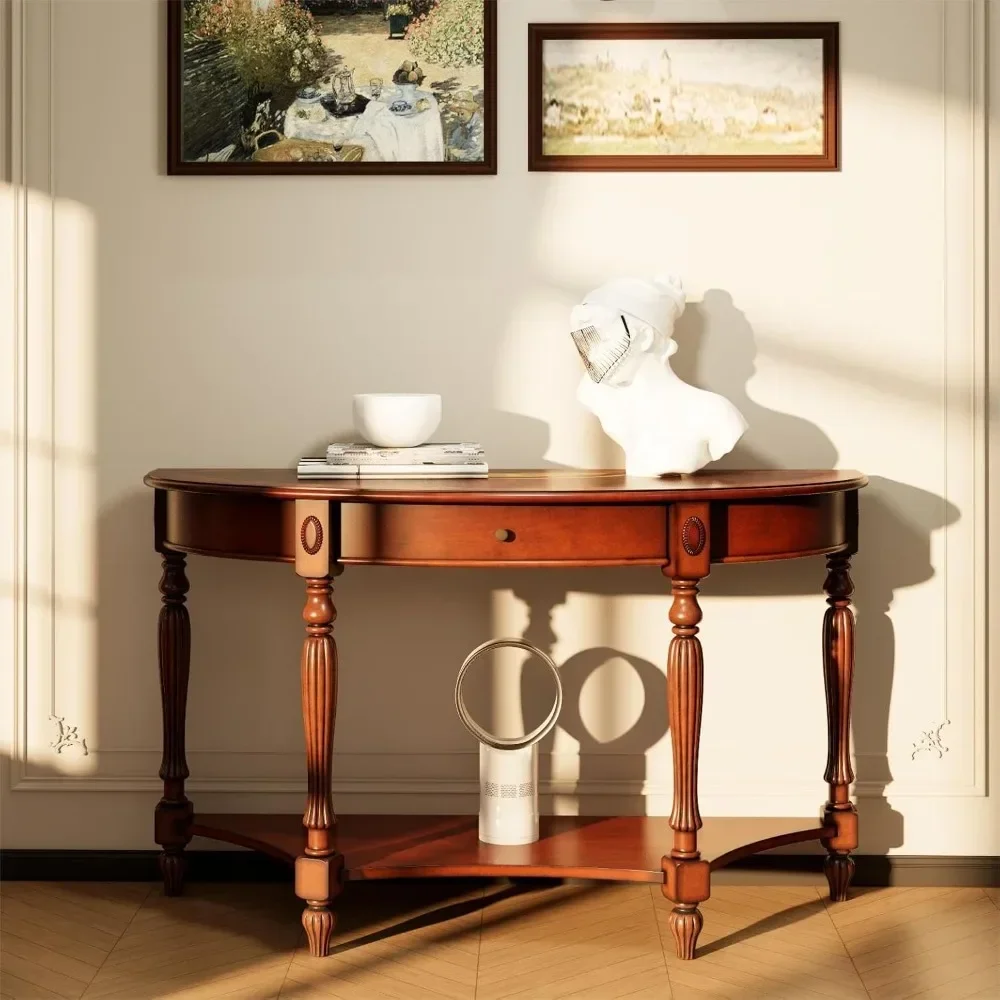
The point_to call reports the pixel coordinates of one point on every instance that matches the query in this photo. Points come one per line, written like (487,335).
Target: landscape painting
(332,86)
(684,96)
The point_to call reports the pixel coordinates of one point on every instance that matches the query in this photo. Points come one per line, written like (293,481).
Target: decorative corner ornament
(67,736)
(930,741)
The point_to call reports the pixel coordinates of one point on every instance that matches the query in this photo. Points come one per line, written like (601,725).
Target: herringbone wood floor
(439,941)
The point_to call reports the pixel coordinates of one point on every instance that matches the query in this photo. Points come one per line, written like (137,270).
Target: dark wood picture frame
(176,164)
(827,31)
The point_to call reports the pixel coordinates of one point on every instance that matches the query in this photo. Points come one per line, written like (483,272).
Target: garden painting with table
(258,84)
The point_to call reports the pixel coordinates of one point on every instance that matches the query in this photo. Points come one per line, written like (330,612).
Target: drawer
(488,535)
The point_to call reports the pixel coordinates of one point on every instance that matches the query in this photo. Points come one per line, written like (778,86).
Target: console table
(531,519)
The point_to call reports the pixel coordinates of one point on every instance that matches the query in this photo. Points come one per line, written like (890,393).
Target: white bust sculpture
(623,332)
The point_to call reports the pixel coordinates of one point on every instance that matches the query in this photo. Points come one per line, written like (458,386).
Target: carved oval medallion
(693,536)
(311,534)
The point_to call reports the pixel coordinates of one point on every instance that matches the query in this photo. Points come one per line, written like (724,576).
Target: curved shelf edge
(281,845)
(612,849)
(394,847)
(657,561)
(284,846)
(745,850)
(368,873)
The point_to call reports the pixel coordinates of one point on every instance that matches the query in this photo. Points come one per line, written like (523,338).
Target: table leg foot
(685,925)
(173,833)
(839,870)
(173,866)
(319,922)
(318,882)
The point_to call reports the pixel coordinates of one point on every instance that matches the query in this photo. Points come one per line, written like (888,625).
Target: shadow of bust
(717,350)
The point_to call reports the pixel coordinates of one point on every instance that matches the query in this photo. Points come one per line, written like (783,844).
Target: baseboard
(247,866)
(137,866)
(891,869)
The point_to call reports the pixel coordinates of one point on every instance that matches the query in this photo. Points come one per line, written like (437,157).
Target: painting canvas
(332,86)
(685,96)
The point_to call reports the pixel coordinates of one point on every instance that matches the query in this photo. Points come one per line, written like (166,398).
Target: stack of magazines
(427,461)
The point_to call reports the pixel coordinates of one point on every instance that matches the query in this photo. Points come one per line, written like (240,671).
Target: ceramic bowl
(396,420)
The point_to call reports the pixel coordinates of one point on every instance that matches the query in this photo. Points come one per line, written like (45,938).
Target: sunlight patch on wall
(537,373)
(74,430)
(9,431)
(57,449)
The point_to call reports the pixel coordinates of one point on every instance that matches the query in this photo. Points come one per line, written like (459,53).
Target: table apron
(235,526)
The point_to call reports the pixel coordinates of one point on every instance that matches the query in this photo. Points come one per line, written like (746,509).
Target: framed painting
(332,86)
(761,96)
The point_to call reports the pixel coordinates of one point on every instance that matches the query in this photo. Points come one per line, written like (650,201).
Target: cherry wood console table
(532,519)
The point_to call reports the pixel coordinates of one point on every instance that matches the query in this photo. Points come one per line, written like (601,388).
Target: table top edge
(556,486)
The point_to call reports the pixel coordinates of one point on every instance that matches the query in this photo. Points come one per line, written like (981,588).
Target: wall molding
(50,736)
(612,777)
(962,706)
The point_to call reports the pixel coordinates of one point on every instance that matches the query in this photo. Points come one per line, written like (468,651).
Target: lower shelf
(624,848)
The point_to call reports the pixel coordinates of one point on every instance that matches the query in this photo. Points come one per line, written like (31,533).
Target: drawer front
(488,535)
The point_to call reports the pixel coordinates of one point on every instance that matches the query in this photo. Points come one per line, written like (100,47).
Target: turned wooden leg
(174,812)
(686,876)
(319,871)
(838,676)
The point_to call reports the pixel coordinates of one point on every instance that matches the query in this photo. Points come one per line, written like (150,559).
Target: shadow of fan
(625,751)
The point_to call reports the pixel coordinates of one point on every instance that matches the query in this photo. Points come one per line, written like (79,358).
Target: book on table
(321,468)
(354,454)
(353,460)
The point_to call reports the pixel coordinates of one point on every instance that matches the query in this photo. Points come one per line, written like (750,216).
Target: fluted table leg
(686,877)
(686,880)
(174,812)
(838,675)
(319,870)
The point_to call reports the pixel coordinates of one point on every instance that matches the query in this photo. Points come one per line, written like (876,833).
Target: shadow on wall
(717,351)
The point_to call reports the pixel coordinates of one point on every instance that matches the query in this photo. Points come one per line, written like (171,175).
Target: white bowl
(396,419)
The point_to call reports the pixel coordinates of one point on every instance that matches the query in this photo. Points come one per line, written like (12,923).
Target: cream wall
(163,321)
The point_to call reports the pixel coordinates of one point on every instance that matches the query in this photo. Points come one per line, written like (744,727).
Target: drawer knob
(504,535)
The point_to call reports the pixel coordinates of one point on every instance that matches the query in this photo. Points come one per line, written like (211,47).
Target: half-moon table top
(511,486)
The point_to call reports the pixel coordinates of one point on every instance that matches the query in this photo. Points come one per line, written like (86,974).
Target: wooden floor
(437,940)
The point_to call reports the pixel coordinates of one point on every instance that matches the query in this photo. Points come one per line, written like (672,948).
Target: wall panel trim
(42,721)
